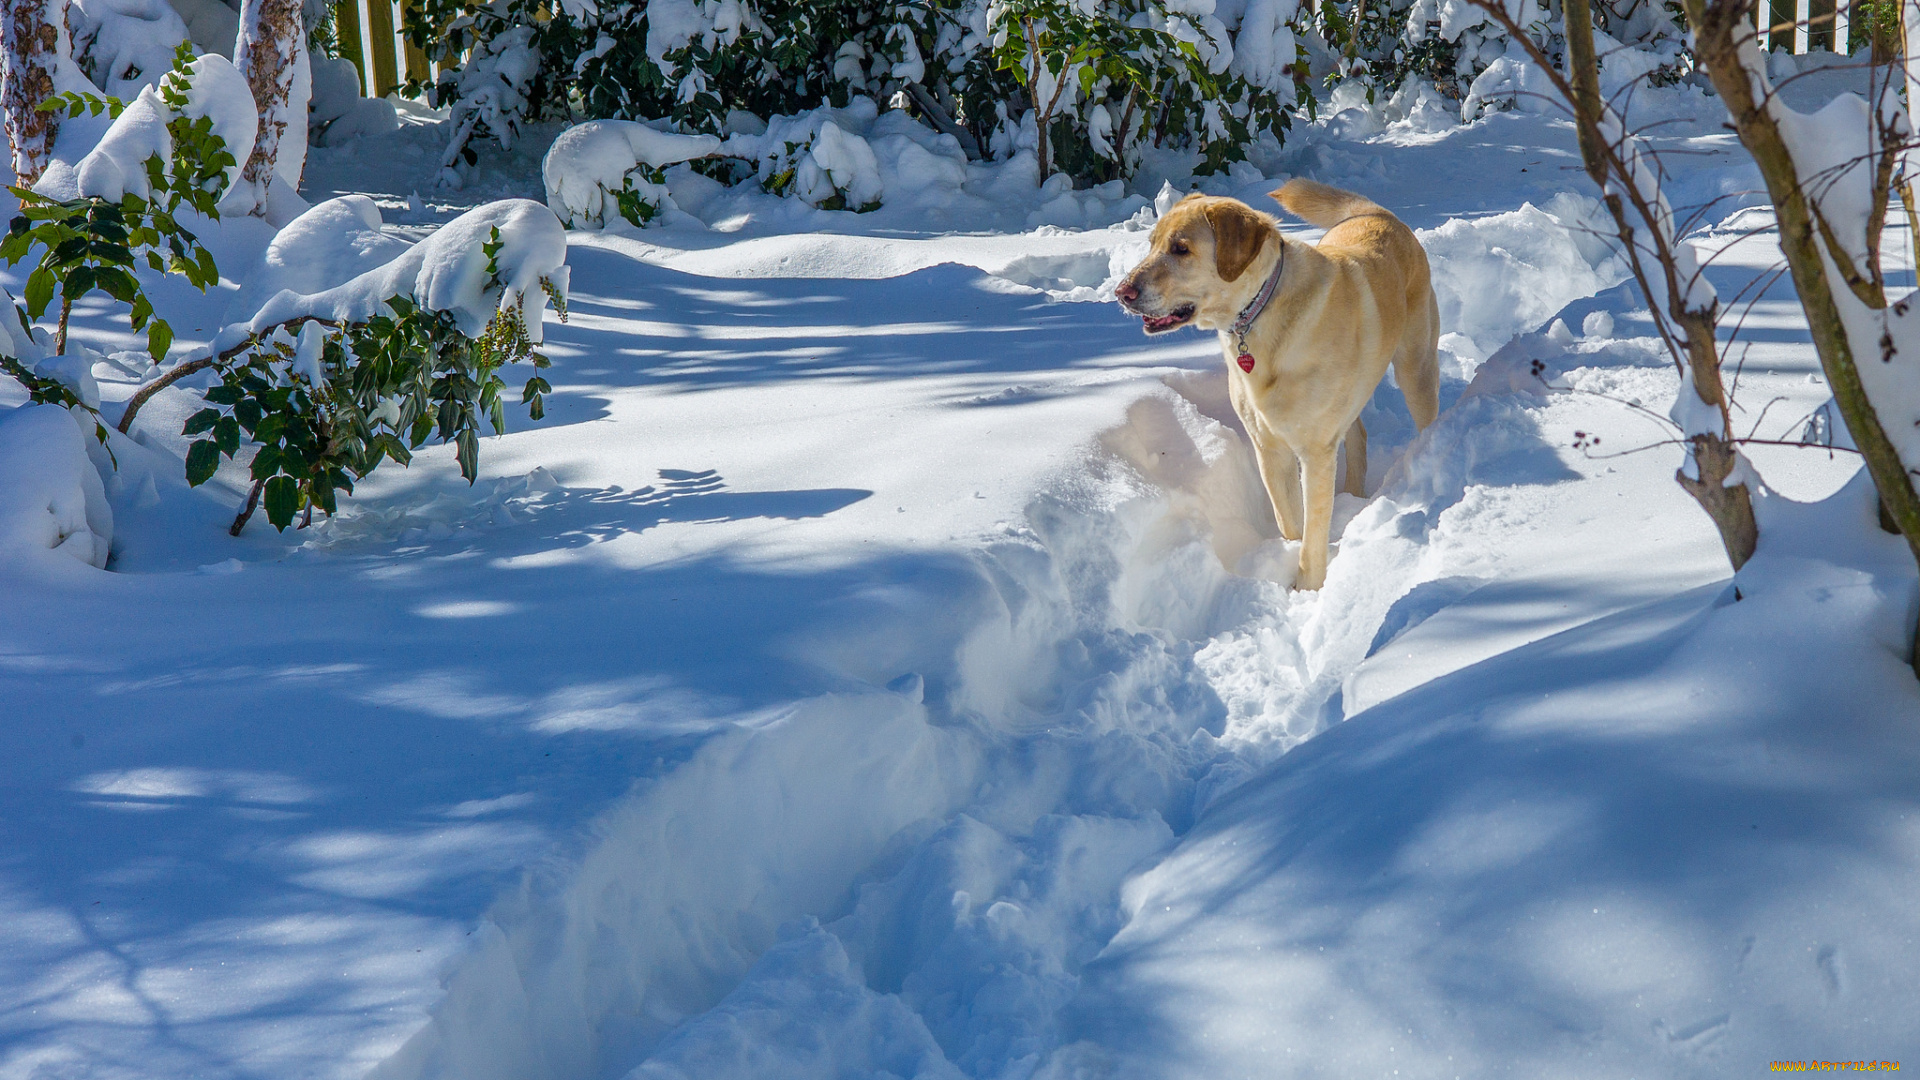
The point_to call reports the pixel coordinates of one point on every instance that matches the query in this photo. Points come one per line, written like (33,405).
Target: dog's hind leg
(1416,365)
(1317,475)
(1357,459)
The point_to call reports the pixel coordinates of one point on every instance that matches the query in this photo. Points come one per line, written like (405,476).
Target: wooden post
(380,43)
(346,31)
(416,57)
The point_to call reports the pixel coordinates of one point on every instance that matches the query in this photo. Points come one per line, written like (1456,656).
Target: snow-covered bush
(488,94)
(328,385)
(1469,57)
(615,162)
(1128,72)
(156,157)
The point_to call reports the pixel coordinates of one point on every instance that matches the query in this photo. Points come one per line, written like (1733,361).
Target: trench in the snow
(926,869)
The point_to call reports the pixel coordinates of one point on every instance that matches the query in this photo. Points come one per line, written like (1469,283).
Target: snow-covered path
(797,698)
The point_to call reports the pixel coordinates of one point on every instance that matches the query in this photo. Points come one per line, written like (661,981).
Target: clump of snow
(588,164)
(1508,273)
(445,272)
(116,165)
(337,112)
(330,244)
(124,46)
(52,498)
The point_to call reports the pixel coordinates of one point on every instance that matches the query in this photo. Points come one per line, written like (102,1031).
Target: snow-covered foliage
(604,165)
(489,93)
(208,88)
(504,256)
(332,243)
(378,365)
(1129,73)
(851,158)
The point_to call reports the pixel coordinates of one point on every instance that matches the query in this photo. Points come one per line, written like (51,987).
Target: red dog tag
(1246,363)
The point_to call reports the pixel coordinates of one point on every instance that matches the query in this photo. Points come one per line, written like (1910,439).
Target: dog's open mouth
(1160,324)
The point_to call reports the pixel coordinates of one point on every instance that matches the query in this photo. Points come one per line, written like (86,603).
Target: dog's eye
(1179,247)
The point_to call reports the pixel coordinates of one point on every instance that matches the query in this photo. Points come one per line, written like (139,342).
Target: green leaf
(203,460)
(159,339)
(270,428)
(39,291)
(266,463)
(227,433)
(201,421)
(282,500)
(468,454)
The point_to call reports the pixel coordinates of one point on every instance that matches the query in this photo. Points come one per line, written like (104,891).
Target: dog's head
(1192,275)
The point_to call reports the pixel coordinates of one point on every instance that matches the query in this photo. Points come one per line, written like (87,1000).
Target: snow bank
(51,497)
(116,165)
(1509,273)
(590,163)
(332,243)
(446,272)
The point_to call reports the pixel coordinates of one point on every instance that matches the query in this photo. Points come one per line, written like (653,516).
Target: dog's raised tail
(1320,205)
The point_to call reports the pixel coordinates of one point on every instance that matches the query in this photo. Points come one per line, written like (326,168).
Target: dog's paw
(1309,579)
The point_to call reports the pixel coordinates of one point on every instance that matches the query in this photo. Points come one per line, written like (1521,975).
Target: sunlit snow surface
(878,664)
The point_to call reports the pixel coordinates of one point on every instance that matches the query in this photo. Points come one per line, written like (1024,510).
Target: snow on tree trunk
(1829,176)
(33,37)
(271,52)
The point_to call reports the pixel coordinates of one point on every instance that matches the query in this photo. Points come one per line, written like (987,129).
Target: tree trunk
(32,40)
(1719,28)
(271,53)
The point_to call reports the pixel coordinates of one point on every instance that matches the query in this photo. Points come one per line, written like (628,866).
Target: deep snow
(876,663)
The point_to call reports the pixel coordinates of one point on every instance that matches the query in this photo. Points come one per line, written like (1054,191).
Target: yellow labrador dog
(1308,333)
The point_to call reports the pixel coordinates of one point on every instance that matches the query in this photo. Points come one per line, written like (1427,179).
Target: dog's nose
(1127,291)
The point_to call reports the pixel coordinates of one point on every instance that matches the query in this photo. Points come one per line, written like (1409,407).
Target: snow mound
(332,243)
(445,272)
(1509,273)
(52,498)
(590,163)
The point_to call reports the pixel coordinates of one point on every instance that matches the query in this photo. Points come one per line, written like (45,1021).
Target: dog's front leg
(1280,472)
(1317,473)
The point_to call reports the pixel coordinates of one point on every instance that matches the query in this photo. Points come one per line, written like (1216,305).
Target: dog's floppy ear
(1238,233)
